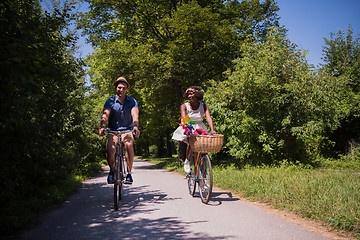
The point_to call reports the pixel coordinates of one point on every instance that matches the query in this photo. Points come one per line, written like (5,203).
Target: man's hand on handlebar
(102,131)
(137,132)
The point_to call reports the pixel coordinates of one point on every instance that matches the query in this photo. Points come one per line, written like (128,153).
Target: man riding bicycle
(121,112)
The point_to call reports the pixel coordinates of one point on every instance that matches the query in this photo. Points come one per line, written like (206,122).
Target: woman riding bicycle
(196,111)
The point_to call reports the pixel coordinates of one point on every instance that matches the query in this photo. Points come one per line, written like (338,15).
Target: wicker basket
(206,143)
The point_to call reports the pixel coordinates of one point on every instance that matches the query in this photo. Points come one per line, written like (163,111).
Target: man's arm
(104,119)
(135,117)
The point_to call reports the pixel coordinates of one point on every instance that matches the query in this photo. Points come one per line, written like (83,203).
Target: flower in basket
(200,132)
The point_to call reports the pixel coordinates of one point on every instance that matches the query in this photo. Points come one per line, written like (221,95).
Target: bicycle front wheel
(205,178)
(117,183)
(191,177)
(123,169)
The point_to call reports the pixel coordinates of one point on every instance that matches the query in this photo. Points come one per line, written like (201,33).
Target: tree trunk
(169,148)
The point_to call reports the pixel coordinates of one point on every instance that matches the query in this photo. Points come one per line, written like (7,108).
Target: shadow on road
(218,197)
(148,167)
(89,215)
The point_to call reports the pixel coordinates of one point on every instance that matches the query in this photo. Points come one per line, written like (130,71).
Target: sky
(308,22)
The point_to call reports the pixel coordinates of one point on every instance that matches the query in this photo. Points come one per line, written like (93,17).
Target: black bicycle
(120,168)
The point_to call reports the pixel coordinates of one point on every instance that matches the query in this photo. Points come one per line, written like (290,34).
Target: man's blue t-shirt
(120,118)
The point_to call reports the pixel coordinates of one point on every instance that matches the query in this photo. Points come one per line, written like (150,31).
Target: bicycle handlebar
(107,131)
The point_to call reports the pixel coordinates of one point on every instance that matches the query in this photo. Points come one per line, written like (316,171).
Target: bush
(273,106)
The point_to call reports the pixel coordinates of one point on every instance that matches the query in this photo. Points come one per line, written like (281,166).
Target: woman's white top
(196,116)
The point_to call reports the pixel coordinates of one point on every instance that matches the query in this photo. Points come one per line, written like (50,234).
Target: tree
(41,92)
(165,46)
(272,106)
(342,60)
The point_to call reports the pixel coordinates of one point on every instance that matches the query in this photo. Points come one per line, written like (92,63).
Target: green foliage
(346,162)
(272,106)
(42,103)
(22,212)
(162,52)
(341,57)
(342,60)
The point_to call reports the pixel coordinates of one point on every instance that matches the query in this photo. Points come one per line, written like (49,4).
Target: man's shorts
(113,138)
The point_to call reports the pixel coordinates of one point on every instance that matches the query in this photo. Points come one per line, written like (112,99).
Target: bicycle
(200,164)
(120,168)
(201,174)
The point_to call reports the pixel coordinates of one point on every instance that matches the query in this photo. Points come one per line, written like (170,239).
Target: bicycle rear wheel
(205,178)
(191,177)
(117,183)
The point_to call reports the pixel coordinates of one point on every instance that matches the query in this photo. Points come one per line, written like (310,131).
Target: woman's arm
(209,119)
(183,110)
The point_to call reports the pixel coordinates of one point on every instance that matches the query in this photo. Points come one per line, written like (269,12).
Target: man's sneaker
(187,168)
(110,178)
(128,179)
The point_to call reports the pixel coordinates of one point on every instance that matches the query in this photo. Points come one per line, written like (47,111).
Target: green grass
(328,196)
(347,162)
(22,212)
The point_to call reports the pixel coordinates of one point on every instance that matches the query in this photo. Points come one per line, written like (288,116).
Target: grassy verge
(22,212)
(328,196)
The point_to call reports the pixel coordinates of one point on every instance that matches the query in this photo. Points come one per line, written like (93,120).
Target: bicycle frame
(202,175)
(120,168)
(198,161)
(120,152)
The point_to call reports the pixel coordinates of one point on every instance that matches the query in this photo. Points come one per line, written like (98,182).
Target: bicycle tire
(191,177)
(118,182)
(205,178)
(123,166)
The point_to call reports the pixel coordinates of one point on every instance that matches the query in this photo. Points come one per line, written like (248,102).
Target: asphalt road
(158,206)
